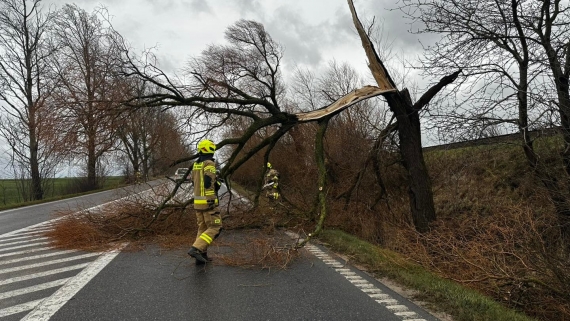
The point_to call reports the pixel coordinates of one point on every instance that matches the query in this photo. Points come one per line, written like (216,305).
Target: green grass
(461,303)
(57,188)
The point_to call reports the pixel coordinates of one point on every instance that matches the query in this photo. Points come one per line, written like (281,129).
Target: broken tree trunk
(407,114)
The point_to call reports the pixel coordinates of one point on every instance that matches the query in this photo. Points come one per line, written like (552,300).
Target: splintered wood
(344,102)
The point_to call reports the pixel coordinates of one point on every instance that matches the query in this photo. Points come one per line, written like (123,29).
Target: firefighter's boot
(204,255)
(198,255)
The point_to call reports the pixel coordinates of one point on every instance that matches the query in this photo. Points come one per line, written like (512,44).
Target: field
(57,188)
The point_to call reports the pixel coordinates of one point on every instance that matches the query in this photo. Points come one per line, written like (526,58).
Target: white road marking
(35,288)
(30,266)
(39,249)
(372,291)
(32,236)
(42,274)
(15,309)
(47,308)
(405,314)
(36,232)
(22,242)
(16,237)
(397,308)
(23,246)
(35,257)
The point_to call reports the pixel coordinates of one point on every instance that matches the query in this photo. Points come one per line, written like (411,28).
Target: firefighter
(205,201)
(271,183)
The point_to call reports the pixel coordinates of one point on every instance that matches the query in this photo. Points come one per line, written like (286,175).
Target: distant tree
(150,137)
(89,91)
(350,148)
(25,88)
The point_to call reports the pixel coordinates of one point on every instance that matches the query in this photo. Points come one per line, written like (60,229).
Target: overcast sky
(312,31)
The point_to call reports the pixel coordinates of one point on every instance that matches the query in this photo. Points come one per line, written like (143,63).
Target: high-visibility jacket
(272,177)
(204,178)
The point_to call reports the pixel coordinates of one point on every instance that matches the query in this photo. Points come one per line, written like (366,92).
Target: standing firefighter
(205,201)
(271,184)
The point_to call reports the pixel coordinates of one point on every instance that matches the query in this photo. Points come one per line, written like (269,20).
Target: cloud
(200,6)
(310,35)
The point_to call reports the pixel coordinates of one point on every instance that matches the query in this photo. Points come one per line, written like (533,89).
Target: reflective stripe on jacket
(204,196)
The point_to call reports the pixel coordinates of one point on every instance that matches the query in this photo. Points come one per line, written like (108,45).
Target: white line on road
(19,308)
(30,266)
(42,274)
(49,306)
(22,242)
(15,237)
(365,286)
(43,309)
(34,257)
(34,288)
(23,246)
(25,252)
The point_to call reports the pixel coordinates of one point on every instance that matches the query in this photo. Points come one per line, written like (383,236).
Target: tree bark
(419,185)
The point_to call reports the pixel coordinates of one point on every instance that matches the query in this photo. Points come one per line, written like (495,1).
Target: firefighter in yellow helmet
(271,183)
(205,201)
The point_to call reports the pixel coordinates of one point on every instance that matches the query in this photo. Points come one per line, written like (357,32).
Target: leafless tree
(353,134)
(507,50)
(151,137)
(25,88)
(87,68)
(240,81)
(407,116)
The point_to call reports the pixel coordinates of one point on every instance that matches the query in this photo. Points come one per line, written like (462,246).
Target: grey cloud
(200,6)
(396,25)
(305,42)
(246,7)
(167,6)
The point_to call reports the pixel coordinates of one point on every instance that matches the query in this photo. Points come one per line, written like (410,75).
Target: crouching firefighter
(205,201)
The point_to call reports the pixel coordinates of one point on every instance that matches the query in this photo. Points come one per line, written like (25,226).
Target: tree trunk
(419,184)
(322,180)
(37,190)
(91,165)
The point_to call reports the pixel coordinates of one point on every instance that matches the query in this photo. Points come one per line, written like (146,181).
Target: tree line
(60,94)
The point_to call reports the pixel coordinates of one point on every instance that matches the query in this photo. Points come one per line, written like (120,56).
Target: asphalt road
(167,285)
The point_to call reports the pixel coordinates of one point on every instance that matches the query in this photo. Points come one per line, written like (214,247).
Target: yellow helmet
(268,165)
(206,146)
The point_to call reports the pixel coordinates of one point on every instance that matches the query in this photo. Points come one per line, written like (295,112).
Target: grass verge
(461,303)
(111,183)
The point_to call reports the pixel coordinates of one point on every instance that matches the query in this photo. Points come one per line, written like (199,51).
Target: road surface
(41,283)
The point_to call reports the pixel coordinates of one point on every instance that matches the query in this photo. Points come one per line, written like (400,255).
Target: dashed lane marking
(398,309)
